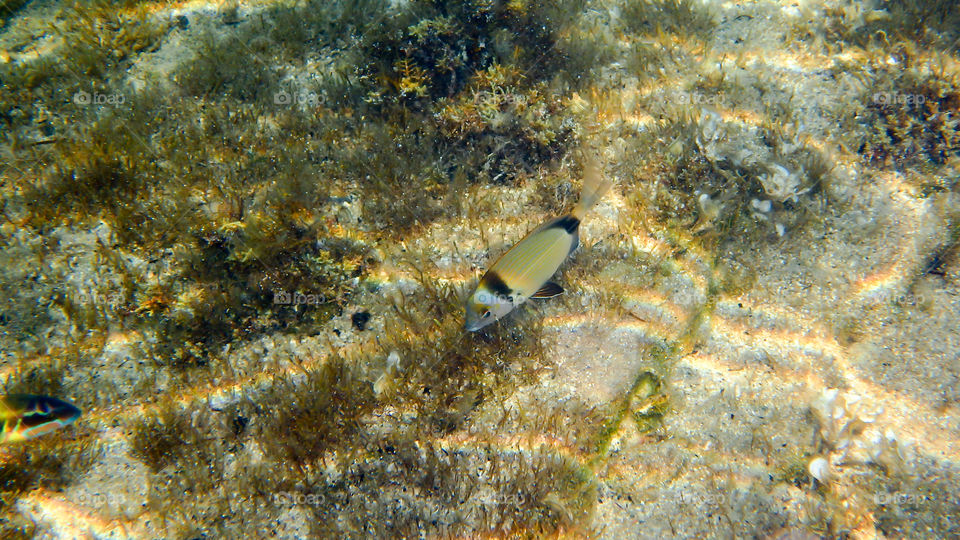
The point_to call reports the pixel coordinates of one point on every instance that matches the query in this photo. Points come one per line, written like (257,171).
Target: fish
(525,270)
(27,416)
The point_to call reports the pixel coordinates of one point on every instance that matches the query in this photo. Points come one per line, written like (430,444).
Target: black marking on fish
(496,285)
(575,243)
(32,420)
(568,223)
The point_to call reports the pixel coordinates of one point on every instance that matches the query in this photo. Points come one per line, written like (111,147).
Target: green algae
(237,194)
(383,456)
(641,403)
(727,197)
(95,41)
(240,224)
(929,23)
(792,468)
(649,405)
(8,9)
(169,436)
(438,47)
(683,17)
(316,413)
(235,65)
(43,379)
(50,463)
(910,114)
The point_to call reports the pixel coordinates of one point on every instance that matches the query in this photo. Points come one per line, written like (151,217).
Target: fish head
(484,307)
(28,416)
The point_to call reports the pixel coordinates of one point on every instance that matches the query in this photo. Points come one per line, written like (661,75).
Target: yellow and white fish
(525,270)
(26,416)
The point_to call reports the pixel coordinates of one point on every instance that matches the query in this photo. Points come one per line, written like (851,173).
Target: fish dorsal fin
(549,290)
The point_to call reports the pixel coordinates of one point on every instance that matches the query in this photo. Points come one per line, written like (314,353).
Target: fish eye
(486,314)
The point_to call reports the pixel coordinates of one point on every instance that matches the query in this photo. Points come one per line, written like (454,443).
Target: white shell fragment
(819,468)
(763,206)
(848,426)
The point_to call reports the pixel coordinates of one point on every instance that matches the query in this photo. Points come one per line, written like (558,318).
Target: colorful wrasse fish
(525,270)
(26,416)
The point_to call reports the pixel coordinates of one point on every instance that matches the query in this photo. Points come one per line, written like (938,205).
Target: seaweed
(929,23)
(8,9)
(97,39)
(437,47)
(171,437)
(911,116)
(240,211)
(238,65)
(316,414)
(49,463)
(765,184)
(683,17)
(373,437)
(503,127)
(44,379)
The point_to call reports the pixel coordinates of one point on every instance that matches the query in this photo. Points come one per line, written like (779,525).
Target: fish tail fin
(595,186)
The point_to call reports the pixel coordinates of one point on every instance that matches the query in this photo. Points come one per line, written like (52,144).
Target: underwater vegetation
(914,114)
(722,180)
(31,458)
(928,23)
(214,201)
(240,238)
(35,464)
(395,440)
(48,464)
(671,16)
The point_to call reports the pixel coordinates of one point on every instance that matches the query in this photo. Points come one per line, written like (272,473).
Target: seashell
(819,468)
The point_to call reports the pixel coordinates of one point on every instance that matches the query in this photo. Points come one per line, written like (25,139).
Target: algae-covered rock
(239,238)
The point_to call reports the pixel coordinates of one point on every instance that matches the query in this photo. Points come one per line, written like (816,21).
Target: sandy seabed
(817,396)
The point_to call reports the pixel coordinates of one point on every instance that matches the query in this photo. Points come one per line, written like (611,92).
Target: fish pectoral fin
(549,290)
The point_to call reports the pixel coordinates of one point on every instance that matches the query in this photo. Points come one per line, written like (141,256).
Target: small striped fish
(26,416)
(525,270)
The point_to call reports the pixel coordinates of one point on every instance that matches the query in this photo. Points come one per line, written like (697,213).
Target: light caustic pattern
(798,350)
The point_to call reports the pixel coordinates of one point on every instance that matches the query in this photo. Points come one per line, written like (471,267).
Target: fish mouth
(474,324)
